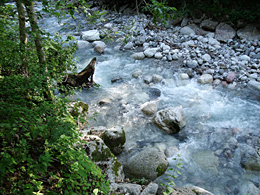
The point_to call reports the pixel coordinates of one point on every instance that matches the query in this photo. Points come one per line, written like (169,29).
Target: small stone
(230,77)
(244,58)
(137,73)
(150,52)
(91,35)
(158,55)
(138,56)
(206,57)
(157,78)
(187,31)
(192,64)
(184,76)
(205,78)
(148,79)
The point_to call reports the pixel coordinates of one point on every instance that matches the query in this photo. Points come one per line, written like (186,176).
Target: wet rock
(151,189)
(127,188)
(115,139)
(255,85)
(224,32)
(157,78)
(171,151)
(205,78)
(148,79)
(187,31)
(104,102)
(91,35)
(150,52)
(138,56)
(208,25)
(154,93)
(137,73)
(171,120)
(184,76)
(250,159)
(149,164)
(248,188)
(149,108)
(99,46)
(207,161)
(82,44)
(230,77)
(117,79)
(129,45)
(249,32)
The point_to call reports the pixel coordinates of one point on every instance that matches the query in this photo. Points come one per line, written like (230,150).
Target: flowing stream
(219,120)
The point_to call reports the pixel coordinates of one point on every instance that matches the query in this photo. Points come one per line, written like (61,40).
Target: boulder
(137,73)
(250,159)
(230,77)
(224,32)
(187,31)
(82,44)
(149,108)
(99,46)
(138,56)
(205,78)
(150,52)
(171,120)
(114,138)
(90,35)
(197,30)
(117,79)
(248,188)
(101,155)
(249,32)
(208,25)
(154,93)
(255,85)
(207,161)
(149,164)
(157,78)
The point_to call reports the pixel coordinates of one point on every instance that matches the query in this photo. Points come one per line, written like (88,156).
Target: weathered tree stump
(82,79)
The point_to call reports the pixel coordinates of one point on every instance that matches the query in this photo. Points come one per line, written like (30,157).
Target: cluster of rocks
(205,48)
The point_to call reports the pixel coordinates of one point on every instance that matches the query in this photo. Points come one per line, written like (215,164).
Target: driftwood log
(82,79)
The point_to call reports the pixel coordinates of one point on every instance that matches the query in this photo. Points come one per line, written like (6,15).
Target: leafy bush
(38,150)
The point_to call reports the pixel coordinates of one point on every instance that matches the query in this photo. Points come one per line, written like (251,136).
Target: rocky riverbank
(211,52)
(203,50)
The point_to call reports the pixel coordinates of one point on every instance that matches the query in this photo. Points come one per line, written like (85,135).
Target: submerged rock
(149,164)
(250,159)
(171,120)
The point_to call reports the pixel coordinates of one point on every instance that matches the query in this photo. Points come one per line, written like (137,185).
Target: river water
(219,120)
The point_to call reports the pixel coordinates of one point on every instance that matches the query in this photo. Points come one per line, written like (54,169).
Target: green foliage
(172,174)
(38,150)
(160,11)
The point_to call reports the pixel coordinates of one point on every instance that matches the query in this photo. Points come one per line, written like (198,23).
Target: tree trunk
(23,38)
(39,47)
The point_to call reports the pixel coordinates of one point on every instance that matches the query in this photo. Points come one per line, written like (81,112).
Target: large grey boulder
(149,164)
(207,161)
(205,78)
(171,120)
(249,32)
(248,188)
(224,32)
(250,159)
(114,138)
(208,25)
(101,155)
(90,35)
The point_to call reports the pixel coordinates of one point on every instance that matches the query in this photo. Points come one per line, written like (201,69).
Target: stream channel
(220,121)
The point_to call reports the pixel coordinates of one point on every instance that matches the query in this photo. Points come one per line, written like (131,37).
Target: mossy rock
(114,138)
(77,108)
